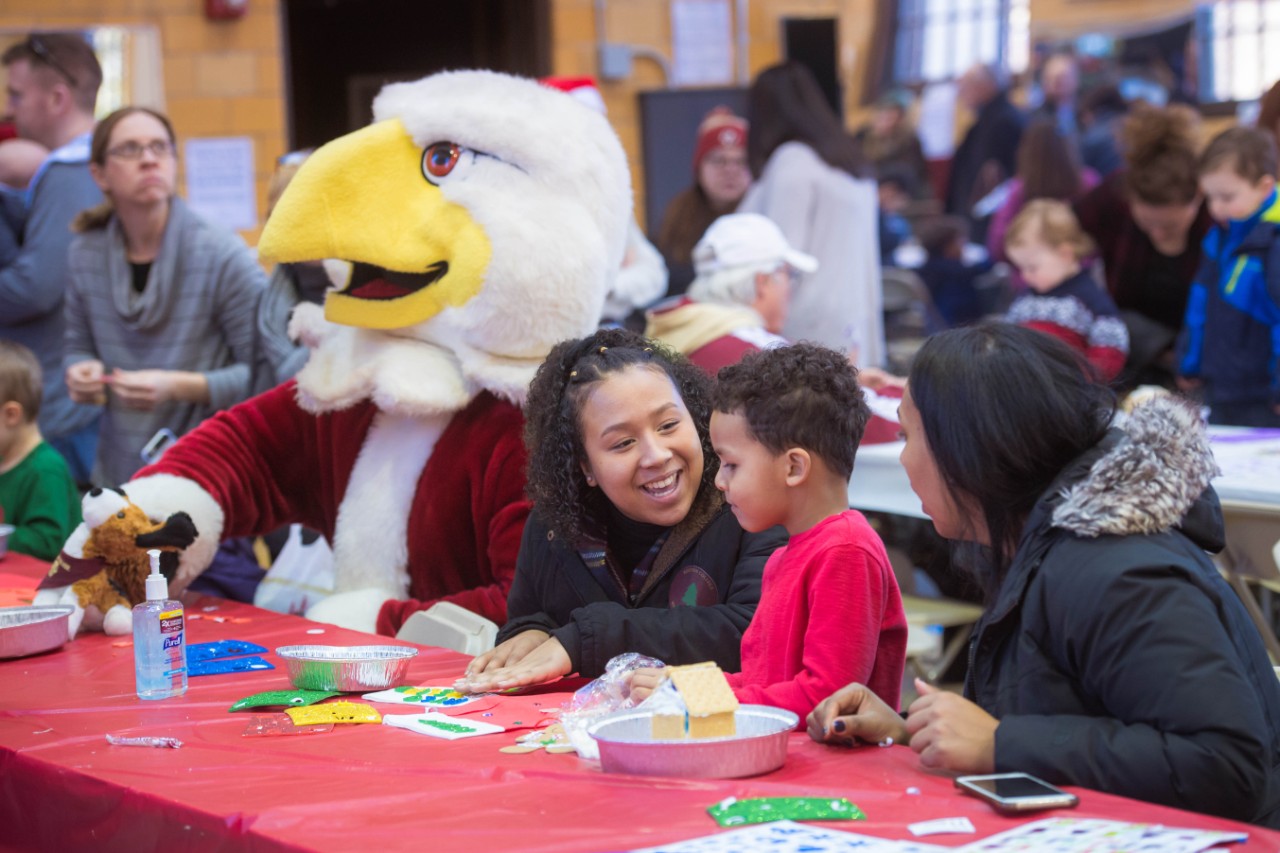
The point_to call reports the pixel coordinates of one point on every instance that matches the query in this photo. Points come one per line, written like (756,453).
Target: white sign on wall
(220,185)
(701,43)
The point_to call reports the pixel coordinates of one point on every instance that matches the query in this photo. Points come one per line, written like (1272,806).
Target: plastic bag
(606,695)
(301,575)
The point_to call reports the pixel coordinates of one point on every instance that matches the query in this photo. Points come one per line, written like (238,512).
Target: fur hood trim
(1148,481)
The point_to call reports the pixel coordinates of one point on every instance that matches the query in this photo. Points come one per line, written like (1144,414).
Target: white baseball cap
(746,239)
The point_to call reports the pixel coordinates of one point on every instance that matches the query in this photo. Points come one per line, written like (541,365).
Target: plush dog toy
(103,568)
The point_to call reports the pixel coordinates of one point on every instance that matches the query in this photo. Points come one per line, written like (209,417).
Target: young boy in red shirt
(786,423)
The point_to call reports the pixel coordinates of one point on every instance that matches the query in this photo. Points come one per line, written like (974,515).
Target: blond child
(1048,246)
(1231,333)
(786,424)
(37,494)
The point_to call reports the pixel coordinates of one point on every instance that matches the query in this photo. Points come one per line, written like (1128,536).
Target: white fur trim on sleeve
(160,496)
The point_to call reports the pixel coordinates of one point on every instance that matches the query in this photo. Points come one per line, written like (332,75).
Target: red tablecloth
(364,787)
(19,576)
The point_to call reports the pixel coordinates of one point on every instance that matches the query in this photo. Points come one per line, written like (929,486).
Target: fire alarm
(224,10)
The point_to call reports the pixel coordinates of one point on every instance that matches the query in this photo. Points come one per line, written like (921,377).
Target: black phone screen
(1015,786)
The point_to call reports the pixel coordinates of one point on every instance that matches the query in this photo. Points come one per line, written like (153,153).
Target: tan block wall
(647,24)
(221,78)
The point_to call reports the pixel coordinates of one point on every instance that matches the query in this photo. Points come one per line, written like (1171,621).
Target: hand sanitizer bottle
(159,640)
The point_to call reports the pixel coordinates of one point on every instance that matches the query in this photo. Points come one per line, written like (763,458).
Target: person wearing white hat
(738,301)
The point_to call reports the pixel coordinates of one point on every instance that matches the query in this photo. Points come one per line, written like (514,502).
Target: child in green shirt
(37,495)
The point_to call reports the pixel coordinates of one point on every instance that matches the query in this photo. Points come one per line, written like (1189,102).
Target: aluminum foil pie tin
(350,669)
(760,745)
(31,630)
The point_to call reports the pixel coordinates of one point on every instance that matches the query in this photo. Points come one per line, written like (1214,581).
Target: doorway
(339,53)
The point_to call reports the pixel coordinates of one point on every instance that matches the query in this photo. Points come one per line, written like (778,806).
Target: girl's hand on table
(853,715)
(951,733)
(508,652)
(545,663)
(643,682)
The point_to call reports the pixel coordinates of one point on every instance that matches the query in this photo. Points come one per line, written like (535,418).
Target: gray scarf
(151,308)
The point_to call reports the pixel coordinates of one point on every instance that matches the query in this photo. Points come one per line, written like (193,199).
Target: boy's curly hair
(552,426)
(803,395)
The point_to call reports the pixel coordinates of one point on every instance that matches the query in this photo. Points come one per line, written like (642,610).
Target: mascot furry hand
(104,565)
(477,222)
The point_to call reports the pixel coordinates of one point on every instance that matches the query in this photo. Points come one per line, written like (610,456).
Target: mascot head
(480,213)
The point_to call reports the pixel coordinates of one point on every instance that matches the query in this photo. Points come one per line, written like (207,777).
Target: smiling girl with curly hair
(630,548)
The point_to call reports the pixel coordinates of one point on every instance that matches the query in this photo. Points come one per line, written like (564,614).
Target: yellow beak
(363,198)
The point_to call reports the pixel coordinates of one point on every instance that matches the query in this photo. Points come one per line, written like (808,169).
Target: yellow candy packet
(334,712)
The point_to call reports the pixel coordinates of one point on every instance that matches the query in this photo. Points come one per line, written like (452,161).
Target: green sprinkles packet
(287,698)
(457,728)
(735,812)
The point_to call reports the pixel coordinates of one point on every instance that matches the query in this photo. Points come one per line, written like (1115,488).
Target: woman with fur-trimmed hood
(1112,655)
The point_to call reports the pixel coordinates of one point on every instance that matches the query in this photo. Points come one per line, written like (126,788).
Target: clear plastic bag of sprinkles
(605,695)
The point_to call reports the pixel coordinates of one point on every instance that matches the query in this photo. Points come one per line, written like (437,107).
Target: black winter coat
(707,558)
(1114,654)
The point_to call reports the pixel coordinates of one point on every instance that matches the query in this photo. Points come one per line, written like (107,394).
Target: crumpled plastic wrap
(606,695)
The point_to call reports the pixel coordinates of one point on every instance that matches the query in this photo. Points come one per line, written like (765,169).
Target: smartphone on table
(1015,793)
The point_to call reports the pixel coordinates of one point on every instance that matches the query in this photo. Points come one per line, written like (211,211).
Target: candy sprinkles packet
(440,725)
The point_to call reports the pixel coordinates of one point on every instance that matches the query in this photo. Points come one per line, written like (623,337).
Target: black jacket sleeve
(537,571)
(553,591)
(1175,716)
(680,635)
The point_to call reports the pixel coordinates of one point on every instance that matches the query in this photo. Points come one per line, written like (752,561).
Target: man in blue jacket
(53,84)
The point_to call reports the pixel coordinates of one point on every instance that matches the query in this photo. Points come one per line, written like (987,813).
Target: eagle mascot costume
(477,221)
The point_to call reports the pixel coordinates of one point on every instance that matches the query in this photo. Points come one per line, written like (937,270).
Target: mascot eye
(439,159)
(120,514)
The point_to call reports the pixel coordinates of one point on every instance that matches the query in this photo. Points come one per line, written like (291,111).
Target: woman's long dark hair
(786,104)
(1004,409)
(553,430)
(1047,164)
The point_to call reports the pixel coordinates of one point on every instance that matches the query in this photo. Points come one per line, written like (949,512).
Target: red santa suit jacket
(269,463)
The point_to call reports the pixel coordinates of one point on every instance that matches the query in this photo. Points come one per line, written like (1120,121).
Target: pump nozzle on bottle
(157,586)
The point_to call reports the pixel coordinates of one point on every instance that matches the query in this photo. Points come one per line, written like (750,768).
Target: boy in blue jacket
(1230,343)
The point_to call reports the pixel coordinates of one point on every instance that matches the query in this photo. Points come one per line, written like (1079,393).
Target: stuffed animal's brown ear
(178,531)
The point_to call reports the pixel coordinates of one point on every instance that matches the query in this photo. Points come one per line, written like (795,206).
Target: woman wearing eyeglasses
(160,311)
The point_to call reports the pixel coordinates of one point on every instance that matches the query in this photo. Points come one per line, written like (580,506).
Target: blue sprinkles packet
(735,812)
(220,667)
(222,649)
